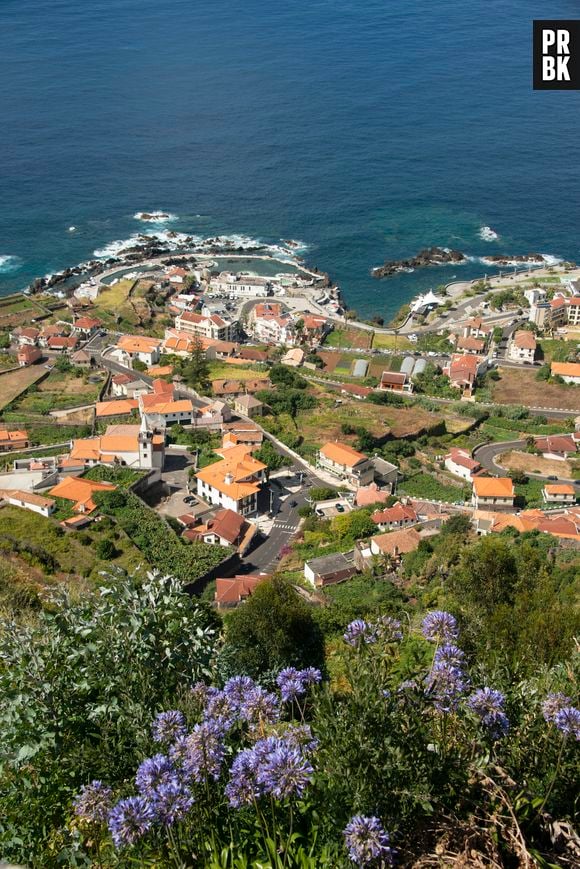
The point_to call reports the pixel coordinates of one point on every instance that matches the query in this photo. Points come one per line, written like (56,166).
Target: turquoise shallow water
(366,130)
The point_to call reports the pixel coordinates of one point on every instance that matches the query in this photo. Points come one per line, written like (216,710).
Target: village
(252,415)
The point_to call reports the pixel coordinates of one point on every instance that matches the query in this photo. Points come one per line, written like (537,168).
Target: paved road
(486,456)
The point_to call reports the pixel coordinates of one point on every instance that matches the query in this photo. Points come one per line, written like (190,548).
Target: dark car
(552,477)
(293,503)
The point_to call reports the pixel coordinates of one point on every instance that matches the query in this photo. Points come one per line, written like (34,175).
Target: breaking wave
(486,233)
(9,263)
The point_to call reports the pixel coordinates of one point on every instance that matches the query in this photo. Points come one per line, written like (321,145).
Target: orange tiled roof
(80,491)
(493,487)
(9,437)
(27,497)
(235,474)
(118,407)
(138,343)
(566,369)
(342,454)
(525,340)
(398,542)
(164,407)
(559,489)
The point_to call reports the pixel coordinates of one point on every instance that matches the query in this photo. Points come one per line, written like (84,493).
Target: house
(460,463)
(252,354)
(573,310)
(82,359)
(395,381)
(243,432)
(346,463)
(27,337)
(557,447)
(395,517)
(522,347)
(475,328)
(213,415)
(493,493)
(131,445)
(132,347)
(80,491)
(395,544)
(49,332)
(463,369)
(226,528)
(330,569)
(294,357)
(13,440)
(207,326)
(278,330)
(160,371)
(86,326)
(367,495)
(357,391)
(559,493)
(564,527)
(232,591)
(385,473)
(469,344)
(248,405)
(117,407)
(177,276)
(568,371)
(167,412)
(315,328)
(240,285)
(28,355)
(233,388)
(62,343)
(126,385)
(29,501)
(234,482)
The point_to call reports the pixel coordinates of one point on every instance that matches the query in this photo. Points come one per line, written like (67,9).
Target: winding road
(486,456)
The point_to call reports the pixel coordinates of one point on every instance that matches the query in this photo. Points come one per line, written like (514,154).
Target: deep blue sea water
(366,129)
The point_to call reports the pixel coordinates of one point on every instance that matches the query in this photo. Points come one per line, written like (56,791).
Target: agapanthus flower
(300,736)
(449,654)
(285,772)
(358,632)
(568,721)
(243,788)
(93,803)
(368,842)
(553,704)
(205,751)
(130,820)
(291,684)
(171,802)
(389,629)
(439,627)
(154,772)
(488,705)
(200,693)
(168,726)
(260,707)
(445,685)
(311,676)
(237,690)
(220,708)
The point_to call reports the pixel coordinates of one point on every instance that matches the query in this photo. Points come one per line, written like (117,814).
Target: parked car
(552,477)
(339,508)
(293,503)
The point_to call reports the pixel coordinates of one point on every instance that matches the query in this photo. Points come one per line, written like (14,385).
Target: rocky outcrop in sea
(429,256)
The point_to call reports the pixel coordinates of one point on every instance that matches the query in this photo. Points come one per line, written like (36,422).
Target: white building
(28,501)
(141,347)
(132,446)
(522,346)
(206,326)
(233,483)
(460,463)
(240,285)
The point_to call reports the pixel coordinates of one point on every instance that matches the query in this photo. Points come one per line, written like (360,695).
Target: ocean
(364,130)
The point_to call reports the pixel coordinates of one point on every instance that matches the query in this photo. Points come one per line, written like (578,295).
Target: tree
(105,549)
(78,690)
(274,629)
(196,369)
(270,456)
(353,526)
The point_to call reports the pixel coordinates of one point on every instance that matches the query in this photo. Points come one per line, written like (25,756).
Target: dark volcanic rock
(429,256)
(506,260)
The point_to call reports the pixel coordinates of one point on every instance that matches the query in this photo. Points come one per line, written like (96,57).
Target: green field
(423,485)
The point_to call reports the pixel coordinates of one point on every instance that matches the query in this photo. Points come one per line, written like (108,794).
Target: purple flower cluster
(388,629)
(568,721)
(439,627)
(446,684)
(130,820)
(203,751)
(275,765)
(168,726)
(294,683)
(488,705)
(359,632)
(553,704)
(153,773)
(368,842)
(93,803)
(449,654)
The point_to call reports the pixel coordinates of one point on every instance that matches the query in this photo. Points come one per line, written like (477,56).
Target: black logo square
(557,55)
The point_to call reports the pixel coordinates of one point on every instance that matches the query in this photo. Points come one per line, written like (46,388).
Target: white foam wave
(175,241)
(486,233)
(155,216)
(9,263)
